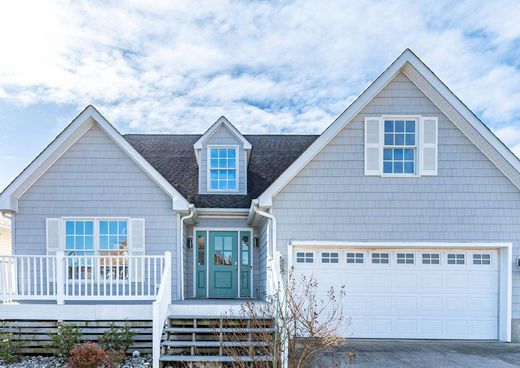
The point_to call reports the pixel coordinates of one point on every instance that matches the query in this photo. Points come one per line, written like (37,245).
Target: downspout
(270,247)
(191,213)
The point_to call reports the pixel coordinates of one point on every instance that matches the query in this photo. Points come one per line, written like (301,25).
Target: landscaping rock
(142,361)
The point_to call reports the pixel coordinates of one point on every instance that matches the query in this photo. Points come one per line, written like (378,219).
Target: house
(406,198)
(5,236)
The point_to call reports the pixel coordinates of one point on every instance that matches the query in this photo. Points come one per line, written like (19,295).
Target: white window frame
(481,264)
(439,259)
(330,257)
(379,263)
(96,221)
(465,259)
(414,258)
(208,168)
(355,258)
(417,146)
(304,257)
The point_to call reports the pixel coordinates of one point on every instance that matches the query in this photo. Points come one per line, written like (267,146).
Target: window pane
(387,154)
(399,139)
(214,184)
(398,154)
(389,139)
(103,227)
(409,168)
(231,163)
(231,153)
(80,227)
(222,163)
(410,139)
(89,228)
(214,163)
(399,126)
(389,126)
(409,154)
(387,167)
(410,126)
(398,167)
(214,153)
(69,226)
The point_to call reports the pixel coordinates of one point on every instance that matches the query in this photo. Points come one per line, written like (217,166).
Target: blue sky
(270,67)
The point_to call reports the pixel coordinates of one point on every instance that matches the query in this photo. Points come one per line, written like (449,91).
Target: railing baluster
(142,274)
(117,276)
(22,276)
(154,275)
(148,275)
(41,275)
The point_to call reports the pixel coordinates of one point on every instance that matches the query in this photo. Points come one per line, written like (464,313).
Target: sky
(268,66)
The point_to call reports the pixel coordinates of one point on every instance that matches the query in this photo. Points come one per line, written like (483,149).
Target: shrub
(117,338)
(65,339)
(114,358)
(86,355)
(9,348)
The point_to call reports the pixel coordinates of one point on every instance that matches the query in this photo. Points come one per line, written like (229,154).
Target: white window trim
(96,221)
(380,252)
(208,168)
(417,146)
(405,252)
(338,253)
(491,259)
(430,254)
(363,258)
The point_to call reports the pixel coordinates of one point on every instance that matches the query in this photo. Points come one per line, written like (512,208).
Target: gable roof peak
(222,121)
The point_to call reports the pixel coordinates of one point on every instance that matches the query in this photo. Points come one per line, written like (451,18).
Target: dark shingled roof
(173,157)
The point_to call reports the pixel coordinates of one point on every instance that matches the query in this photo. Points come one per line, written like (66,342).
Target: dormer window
(223,168)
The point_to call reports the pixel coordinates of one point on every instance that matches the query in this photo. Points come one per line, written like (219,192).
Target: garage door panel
(430,328)
(379,281)
(415,300)
(404,281)
(431,304)
(431,281)
(404,304)
(379,304)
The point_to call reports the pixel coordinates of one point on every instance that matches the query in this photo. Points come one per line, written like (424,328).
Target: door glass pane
(200,250)
(223,251)
(244,246)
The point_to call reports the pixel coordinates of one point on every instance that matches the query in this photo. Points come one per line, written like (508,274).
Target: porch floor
(210,307)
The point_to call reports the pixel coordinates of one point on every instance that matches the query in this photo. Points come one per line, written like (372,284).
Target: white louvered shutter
(137,248)
(373,146)
(429,146)
(53,244)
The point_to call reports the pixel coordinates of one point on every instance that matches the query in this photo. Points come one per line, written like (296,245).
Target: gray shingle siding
(222,136)
(469,200)
(96,178)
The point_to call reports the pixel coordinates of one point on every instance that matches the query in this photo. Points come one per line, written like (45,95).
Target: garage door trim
(505,251)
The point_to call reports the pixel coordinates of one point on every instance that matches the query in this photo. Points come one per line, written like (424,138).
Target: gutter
(271,243)
(191,214)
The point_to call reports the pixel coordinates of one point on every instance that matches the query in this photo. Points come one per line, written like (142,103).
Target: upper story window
(223,168)
(399,150)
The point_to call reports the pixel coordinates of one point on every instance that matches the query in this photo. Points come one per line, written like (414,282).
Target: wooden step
(217,330)
(178,344)
(206,358)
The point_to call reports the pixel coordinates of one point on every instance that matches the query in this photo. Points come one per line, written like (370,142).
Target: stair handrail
(160,309)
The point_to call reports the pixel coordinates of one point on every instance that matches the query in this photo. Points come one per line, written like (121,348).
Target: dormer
(222,155)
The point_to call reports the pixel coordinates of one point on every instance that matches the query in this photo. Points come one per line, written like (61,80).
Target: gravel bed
(143,361)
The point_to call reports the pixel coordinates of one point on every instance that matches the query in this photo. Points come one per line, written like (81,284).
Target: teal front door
(223,264)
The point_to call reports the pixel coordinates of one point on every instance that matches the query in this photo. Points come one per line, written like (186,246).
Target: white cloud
(268,66)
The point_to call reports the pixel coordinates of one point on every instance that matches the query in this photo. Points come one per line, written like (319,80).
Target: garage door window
(380,258)
(481,259)
(354,257)
(304,257)
(431,258)
(456,259)
(328,257)
(405,258)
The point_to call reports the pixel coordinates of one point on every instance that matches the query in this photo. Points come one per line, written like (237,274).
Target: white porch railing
(160,310)
(62,277)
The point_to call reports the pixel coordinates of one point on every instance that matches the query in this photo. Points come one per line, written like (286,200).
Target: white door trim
(505,255)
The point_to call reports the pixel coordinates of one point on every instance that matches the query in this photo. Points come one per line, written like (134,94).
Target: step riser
(217,340)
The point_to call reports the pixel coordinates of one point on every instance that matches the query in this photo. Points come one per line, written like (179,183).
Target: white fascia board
(75,130)
(222,121)
(339,124)
(179,202)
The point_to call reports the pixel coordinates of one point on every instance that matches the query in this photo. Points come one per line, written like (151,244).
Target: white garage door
(448,294)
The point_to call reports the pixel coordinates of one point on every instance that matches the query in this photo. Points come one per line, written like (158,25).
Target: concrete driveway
(423,354)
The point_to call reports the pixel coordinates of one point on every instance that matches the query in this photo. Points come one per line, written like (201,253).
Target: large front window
(399,151)
(223,168)
(102,240)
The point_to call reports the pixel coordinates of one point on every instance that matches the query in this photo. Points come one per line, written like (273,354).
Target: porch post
(60,277)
